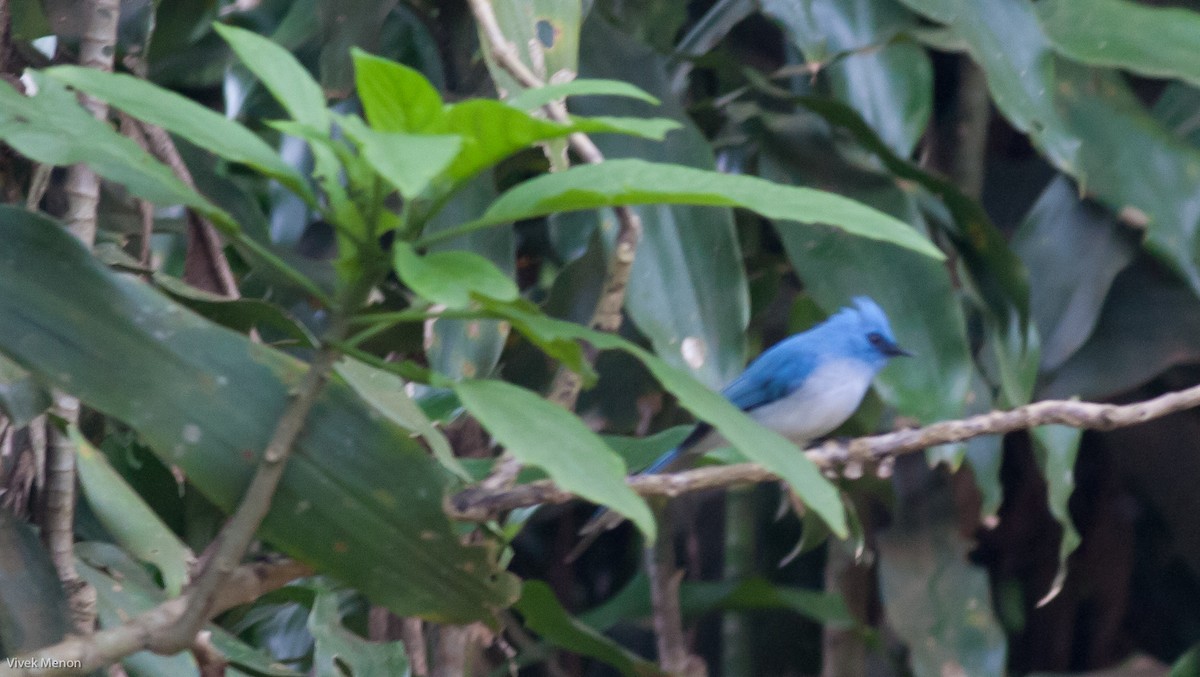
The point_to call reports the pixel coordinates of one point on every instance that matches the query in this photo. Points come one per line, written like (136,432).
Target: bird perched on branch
(802,388)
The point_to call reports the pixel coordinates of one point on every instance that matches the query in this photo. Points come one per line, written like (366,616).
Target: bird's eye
(876,339)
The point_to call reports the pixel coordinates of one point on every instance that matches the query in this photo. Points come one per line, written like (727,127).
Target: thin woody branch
(564,390)
(246,584)
(476,504)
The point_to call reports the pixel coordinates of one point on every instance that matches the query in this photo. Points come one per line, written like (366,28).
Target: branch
(246,584)
(478,505)
(564,391)
(96,49)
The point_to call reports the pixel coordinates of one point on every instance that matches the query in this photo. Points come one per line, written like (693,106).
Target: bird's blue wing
(774,375)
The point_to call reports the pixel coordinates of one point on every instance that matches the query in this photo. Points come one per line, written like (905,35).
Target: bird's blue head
(862,332)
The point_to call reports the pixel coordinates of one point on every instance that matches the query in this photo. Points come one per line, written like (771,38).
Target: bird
(803,387)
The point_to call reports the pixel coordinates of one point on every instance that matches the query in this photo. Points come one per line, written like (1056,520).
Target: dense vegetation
(389,259)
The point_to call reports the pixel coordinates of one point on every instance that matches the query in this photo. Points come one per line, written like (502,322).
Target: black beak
(893,350)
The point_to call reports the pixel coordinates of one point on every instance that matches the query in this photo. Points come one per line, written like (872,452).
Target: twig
(205,265)
(476,505)
(565,388)
(96,49)
(58,523)
(412,634)
(235,537)
(246,584)
(673,655)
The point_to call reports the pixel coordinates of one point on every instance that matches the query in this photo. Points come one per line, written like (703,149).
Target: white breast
(830,396)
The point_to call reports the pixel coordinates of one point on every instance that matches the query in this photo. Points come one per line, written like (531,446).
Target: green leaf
(1056,447)
(1158,42)
(451,278)
(184,117)
(347,25)
(338,649)
(532,99)
(687,290)
(54,129)
(889,83)
(1074,250)
(540,433)
(22,398)
(409,162)
(387,393)
(243,315)
(945,618)
(544,615)
(1087,123)
(33,608)
(470,348)
(282,75)
(634,182)
(546,36)
(1150,322)
(1187,665)
(360,499)
(493,131)
(395,98)
(125,514)
(759,444)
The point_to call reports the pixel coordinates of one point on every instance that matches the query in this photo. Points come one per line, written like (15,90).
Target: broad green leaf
(995,269)
(1086,122)
(545,34)
(51,127)
(699,598)
(243,315)
(409,162)
(532,99)
(470,348)
(395,98)
(543,614)
(1158,42)
(346,26)
(124,589)
(452,277)
(889,83)
(937,602)
(337,649)
(387,393)
(132,522)
(1187,665)
(759,444)
(22,398)
(1073,249)
(282,75)
(687,290)
(184,117)
(493,131)
(1056,447)
(540,433)
(639,452)
(636,182)
(33,608)
(360,500)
